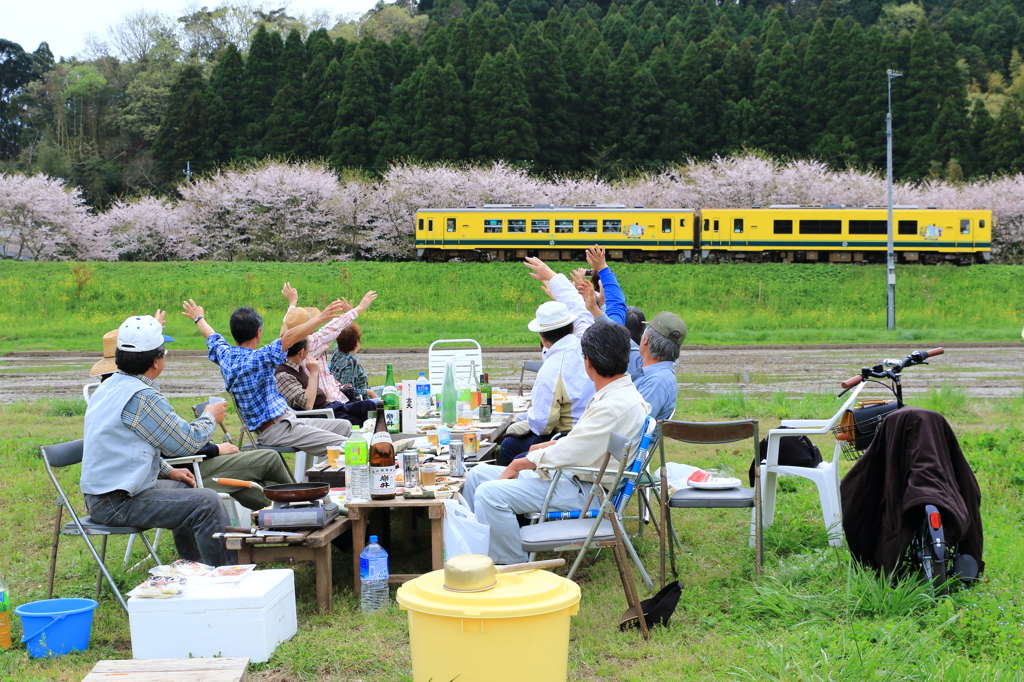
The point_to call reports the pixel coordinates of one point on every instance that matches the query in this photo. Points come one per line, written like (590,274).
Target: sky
(65,23)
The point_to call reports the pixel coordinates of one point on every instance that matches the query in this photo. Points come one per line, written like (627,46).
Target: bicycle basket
(856,428)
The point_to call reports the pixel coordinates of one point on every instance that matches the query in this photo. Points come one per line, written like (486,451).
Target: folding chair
(67,454)
(437,359)
(87,391)
(299,472)
(528,366)
(605,528)
(709,433)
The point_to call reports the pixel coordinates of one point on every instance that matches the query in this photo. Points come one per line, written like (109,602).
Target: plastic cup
(332,456)
(428,474)
(432,437)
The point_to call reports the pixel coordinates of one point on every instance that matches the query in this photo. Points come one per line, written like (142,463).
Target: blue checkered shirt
(249,376)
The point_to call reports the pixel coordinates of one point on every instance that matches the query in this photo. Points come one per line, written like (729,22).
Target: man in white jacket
(562,389)
(496,494)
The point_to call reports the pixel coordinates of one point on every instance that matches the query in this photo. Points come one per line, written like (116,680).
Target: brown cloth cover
(914,460)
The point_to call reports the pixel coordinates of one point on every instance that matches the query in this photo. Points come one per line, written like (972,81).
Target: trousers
(514,447)
(263,466)
(496,503)
(312,436)
(192,514)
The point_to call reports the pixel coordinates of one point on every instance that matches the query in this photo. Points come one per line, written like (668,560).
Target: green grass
(814,616)
(48,306)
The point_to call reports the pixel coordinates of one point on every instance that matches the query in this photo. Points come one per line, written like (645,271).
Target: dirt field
(983,370)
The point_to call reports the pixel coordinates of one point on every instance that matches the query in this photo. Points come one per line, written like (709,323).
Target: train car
(844,234)
(513,232)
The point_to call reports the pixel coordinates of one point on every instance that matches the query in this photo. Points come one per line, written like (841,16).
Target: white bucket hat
(141,333)
(551,315)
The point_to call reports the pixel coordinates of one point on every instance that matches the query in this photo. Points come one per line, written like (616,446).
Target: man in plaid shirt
(248,372)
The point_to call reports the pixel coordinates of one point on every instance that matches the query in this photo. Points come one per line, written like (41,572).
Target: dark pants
(355,411)
(192,514)
(514,447)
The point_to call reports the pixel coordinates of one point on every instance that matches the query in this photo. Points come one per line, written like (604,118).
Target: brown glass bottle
(382,459)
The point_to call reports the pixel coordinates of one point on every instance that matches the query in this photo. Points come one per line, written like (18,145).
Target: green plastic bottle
(392,403)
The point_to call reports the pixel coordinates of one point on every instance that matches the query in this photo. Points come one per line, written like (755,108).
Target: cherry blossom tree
(42,219)
(148,229)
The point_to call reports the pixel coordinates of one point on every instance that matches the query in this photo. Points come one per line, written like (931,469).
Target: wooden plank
(402,577)
(358,543)
(324,583)
(195,676)
(171,665)
(437,543)
(283,553)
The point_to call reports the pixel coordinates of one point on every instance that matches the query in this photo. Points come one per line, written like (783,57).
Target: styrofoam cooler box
(249,618)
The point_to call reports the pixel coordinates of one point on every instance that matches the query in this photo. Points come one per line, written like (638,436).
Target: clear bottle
(449,395)
(5,616)
(373,577)
(474,388)
(392,403)
(382,460)
(422,393)
(357,468)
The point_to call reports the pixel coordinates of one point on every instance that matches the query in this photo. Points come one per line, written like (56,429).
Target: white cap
(551,315)
(140,334)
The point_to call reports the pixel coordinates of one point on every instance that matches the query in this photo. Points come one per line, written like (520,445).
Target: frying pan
(285,492)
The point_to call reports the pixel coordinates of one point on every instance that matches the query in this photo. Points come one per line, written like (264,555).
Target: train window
(451,224)
(716,226)
(516,225)
(563,226)
(682,222)
(666,225)
(611,226)
(492,226)
(965,227)
(541,226)
(907,227)
(430,226)
(869,227)
(783,227)
(737,224)
(421,224)
(981,223)
(706,223)
(821,227)
(588,226)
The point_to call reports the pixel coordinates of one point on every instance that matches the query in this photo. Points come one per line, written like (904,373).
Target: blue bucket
(53,627)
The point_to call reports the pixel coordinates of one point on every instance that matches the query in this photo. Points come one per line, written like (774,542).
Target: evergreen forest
(556,86)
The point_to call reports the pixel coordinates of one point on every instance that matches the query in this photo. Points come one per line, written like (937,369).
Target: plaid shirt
(290,387)
(148,414)
(347,370)
(249,376)
(319,343)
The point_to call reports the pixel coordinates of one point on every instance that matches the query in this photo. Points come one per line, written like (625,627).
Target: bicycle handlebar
(879,371)
(852,381)
(936,351)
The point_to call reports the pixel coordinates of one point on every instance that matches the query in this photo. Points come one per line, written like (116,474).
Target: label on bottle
(356,453)
(373,567)
(381,437)
(5,605)
(388,390)
(382,480)
(393,420)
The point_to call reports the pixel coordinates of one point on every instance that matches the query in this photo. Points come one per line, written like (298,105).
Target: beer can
(470,443)
(410,469)
(456,460)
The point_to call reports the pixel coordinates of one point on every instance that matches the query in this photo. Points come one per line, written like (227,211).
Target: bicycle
(928,553)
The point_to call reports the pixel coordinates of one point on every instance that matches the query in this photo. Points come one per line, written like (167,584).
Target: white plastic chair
(437,358)
(825,475)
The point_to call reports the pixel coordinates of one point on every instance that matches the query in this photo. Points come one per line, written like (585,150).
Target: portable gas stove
(292,515)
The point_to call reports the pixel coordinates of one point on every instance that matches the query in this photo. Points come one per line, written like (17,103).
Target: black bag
(794,451)
(657,610)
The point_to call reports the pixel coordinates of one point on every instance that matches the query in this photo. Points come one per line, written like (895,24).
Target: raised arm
(303,330)
(195,313)
(614,298)
(562,291)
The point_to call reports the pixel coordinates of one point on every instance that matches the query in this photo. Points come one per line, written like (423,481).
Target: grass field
(812,617)
(69,306)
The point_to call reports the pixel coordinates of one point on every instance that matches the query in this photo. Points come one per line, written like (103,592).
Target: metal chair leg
(128,550)
(628,584)
(103,562)
(633,555)
(53,551)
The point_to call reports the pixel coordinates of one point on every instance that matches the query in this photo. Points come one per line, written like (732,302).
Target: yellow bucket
(515,631)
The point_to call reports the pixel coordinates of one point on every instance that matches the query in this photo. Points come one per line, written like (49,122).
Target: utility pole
(188,178)
(890,255)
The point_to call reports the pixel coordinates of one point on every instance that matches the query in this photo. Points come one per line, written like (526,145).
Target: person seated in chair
(297,380)
(345,367)
(248,373)
(128,425)
(659,348)
(496,494)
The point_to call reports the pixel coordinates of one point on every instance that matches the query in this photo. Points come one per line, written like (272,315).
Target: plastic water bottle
(357,468)
(5,617)
(422,393)
(373,577)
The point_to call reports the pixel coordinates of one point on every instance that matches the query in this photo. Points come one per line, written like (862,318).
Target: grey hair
(660,348)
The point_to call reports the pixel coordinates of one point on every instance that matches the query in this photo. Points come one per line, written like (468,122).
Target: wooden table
(493,433)
(171,670)
(313,546)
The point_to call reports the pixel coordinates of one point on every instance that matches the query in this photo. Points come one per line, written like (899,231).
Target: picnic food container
(526,611)
(244,619)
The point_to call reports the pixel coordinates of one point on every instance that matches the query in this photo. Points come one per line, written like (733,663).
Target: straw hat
(297,316)
(106,365)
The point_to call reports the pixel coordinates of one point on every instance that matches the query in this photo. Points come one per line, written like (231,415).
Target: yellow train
(779,233)
(845,234)
(510,232)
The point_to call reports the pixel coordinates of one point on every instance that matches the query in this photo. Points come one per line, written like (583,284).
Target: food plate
(705,480)
(230,574)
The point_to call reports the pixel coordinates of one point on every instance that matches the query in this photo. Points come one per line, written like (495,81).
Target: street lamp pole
(890,256)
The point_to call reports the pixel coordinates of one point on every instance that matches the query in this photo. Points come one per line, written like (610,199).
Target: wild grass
(813,616)
(64,407)
(44,306)
(947,399)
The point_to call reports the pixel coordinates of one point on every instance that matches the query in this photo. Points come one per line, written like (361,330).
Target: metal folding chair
(528,366)
(67,454)
(709,433)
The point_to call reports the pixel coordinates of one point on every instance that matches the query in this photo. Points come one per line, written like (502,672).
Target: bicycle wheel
(932,554)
